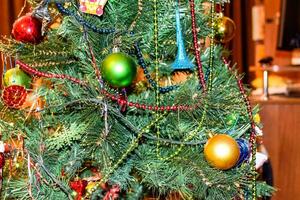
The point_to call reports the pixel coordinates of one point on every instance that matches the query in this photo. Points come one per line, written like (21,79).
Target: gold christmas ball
(225,29)
(222,151)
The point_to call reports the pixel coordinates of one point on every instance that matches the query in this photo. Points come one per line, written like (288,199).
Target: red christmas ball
(27,29)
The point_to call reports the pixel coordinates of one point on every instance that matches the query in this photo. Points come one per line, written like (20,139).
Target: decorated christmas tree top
(125,99)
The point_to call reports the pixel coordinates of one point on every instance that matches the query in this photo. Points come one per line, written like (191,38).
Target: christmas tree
(125,99)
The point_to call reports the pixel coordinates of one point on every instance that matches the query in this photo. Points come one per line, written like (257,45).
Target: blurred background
(9,12)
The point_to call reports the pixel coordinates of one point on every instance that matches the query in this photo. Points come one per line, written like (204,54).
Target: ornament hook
(42,13)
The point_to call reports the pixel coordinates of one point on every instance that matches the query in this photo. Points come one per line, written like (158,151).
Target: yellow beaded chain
(212,44)
(156,62)
(253,169)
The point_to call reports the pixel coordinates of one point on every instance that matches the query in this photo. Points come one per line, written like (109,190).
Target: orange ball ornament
(222,152)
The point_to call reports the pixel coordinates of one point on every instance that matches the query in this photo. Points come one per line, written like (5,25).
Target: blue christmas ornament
(244,150)
(182,61)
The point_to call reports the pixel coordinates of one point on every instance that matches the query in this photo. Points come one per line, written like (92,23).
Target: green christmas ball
(119,70)
(16,76)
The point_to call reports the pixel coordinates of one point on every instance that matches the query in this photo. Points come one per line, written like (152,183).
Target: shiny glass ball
(16,76)
(244,150)
(27,29)
(222,151)
(225,29)
(119,70)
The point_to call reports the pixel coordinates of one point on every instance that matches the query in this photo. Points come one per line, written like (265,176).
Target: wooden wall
(281,121)
(268,47)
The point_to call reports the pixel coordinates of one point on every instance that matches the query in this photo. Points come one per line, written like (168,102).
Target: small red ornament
(79,187)
(27,29)
(14,96)
(2,160)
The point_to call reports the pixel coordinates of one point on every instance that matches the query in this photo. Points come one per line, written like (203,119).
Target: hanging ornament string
(196,47)
(132,146)
(83,22)
(175,107)
(100,80)
(252,139)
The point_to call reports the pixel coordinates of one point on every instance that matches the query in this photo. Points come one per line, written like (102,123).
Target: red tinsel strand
(249,108)
(197,52)
(35,72)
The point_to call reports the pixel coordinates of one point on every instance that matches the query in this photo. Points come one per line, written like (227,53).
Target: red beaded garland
(197,53)
(35,72)
(249,108)
(253,132)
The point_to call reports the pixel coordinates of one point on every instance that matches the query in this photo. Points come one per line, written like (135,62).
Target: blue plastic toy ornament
(182,61)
